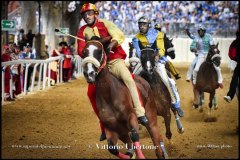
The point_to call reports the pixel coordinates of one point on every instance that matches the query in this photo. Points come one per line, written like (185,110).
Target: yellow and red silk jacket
(103,28)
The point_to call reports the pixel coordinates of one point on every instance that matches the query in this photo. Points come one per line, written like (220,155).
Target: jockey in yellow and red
(104,28)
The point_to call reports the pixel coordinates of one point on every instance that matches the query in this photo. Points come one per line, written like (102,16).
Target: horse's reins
(100,65)
(148,49)
(170,49)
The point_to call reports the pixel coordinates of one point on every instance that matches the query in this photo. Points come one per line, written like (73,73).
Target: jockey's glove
(163,60)
(112,45)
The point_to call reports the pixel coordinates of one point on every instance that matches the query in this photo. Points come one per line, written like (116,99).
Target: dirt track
(36,124)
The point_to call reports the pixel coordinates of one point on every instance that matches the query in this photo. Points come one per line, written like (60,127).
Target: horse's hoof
(216,107)
(195,106)
(133,156)
(181,130)
(201,109)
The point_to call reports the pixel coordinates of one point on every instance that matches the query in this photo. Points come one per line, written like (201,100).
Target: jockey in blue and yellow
(151,37)
(169,64)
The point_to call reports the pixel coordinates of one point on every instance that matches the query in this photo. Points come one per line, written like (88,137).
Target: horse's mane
(95,38)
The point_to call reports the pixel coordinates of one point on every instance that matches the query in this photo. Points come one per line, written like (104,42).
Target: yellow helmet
(88,7)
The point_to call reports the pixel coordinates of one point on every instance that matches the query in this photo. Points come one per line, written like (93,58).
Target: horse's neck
(102,76)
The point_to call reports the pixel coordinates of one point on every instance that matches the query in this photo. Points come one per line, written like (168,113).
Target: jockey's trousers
(169,83)
(191,67)
(118,68)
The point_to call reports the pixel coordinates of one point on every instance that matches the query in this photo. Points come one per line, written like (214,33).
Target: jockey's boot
(143,120)
(177,76)
(220,85)
(228,99)
(180,112)
(103,136)
(178,109)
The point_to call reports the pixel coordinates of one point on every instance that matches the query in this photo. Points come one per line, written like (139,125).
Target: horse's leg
(167,121)
(153,130)
(215,103)
(134,127)
(202,95)
(212,94)
(129,145)
(179,124)
(112,148)
(196,98)
(156,138)
(200,101)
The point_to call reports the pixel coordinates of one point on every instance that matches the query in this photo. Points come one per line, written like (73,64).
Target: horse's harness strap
(170,49)
(104,62)
(103,59)
(147,49)
(96,42)
(216,55)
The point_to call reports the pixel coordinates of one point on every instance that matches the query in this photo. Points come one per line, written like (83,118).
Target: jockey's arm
(211,41)
(135,42)
(193,46)
(190,35)
(115,32)
(81,44)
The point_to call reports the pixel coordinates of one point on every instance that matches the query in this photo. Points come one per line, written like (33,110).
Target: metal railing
(43,67)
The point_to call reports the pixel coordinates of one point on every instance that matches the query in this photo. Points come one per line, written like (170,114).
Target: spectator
(72,51)
(27,55)
(6,57)
(30,37)
(22,39)
(234,54)
(67,65)
(214,13)
(16,70)
(45,54)
(54,66)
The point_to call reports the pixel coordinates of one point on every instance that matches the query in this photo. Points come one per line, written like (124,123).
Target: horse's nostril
(92,74)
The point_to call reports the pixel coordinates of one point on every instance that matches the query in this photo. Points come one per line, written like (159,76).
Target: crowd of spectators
(219,17)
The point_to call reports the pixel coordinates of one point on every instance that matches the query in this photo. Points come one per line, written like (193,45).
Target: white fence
(43,66)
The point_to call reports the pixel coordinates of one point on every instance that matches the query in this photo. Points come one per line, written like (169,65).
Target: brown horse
(115,106)
(161,94)
(207,79)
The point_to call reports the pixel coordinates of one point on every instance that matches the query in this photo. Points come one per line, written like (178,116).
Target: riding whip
(57,30)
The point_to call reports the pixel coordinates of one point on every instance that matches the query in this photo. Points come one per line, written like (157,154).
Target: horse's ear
(171,40)
(217,44)
(86,37)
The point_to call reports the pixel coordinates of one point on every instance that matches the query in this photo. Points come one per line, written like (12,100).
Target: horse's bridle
(98,64)
(148,49)
(213,57)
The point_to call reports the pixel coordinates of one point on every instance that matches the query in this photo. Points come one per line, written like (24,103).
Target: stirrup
(143,120)
(177,76)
